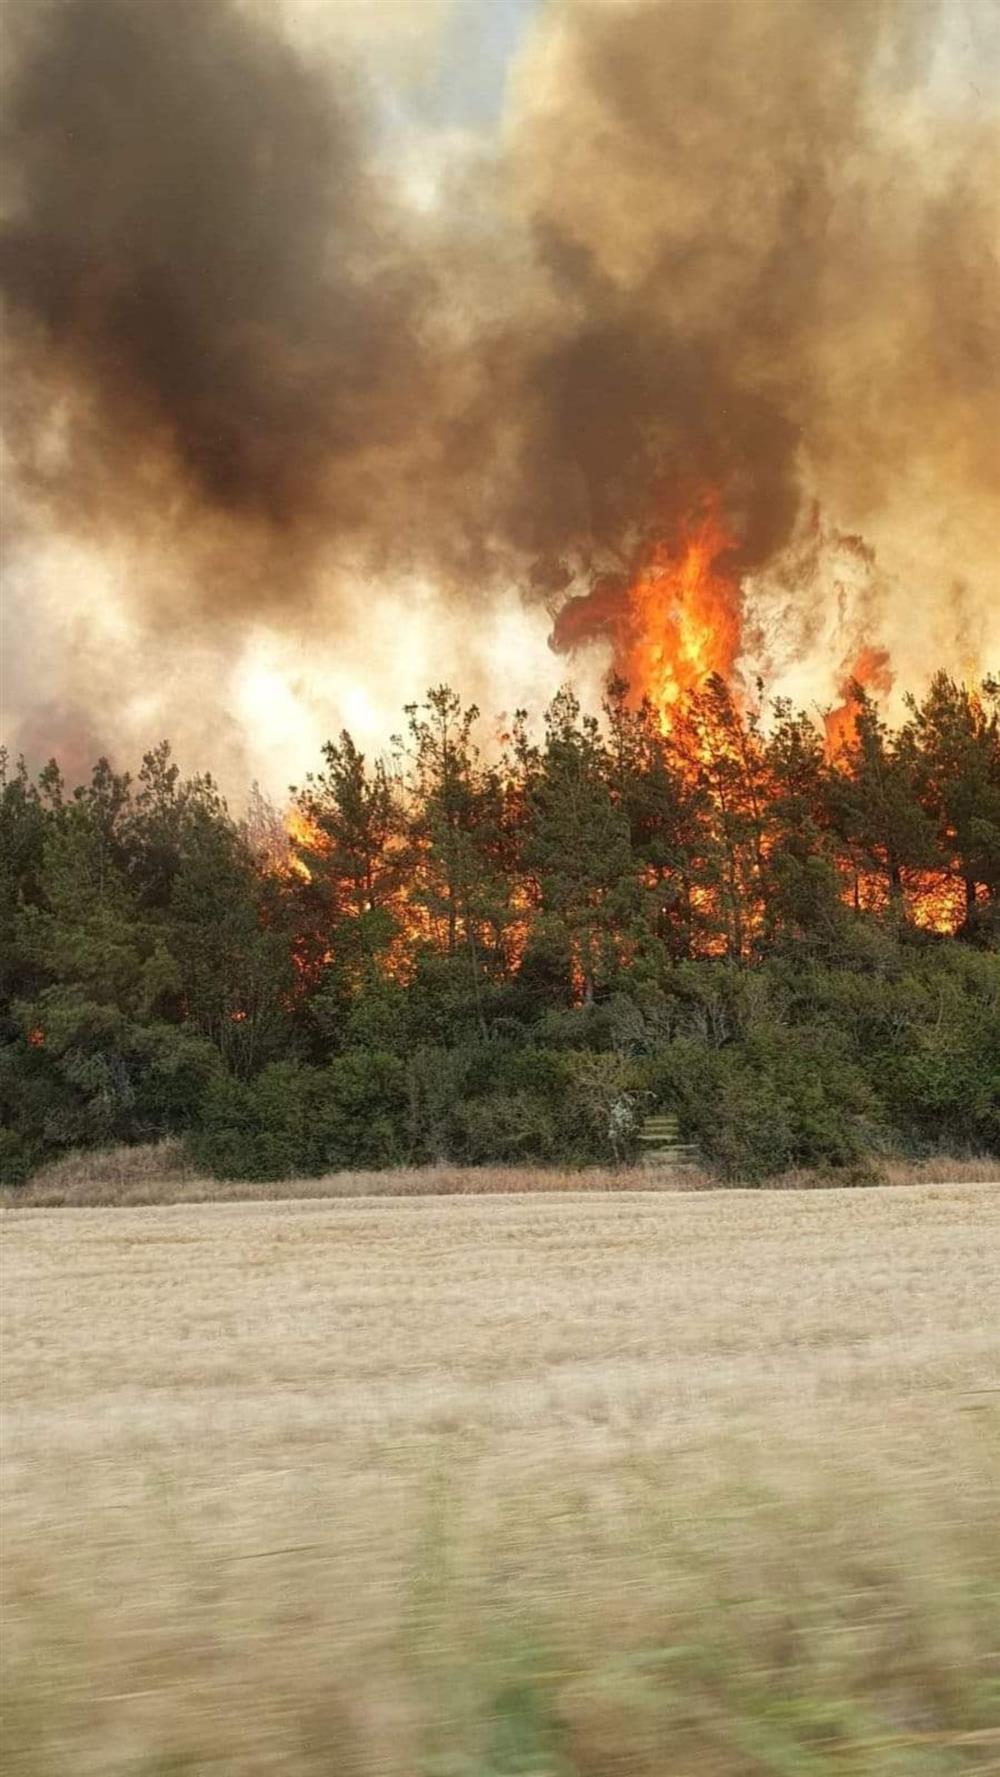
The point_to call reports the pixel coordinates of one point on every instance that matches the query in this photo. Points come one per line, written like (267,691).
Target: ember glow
(934,900)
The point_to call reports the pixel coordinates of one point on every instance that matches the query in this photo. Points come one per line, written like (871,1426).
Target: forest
(489,947)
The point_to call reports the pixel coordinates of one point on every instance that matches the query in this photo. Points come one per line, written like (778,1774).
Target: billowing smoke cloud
(782,252)
(730,243)
(214,300)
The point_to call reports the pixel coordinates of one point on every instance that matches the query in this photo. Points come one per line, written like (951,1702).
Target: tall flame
(871,670)
(304,836)
(685,605)
(676,619)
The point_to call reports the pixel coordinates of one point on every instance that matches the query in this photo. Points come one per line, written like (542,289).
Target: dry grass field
(575,1485)
(160,1172)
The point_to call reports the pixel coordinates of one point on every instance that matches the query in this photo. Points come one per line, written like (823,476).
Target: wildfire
(676,620)
(933,899)
(872,671)
(686,612)
(674,623)
(936,901)
(304,835)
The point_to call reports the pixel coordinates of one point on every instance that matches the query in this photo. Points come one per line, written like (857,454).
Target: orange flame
(303,835)
(872,671)
(676,620)
(936,900)
(686,613)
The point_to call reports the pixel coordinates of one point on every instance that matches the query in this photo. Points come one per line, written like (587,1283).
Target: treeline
(514,954)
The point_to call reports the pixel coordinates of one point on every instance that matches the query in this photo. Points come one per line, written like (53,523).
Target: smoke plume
(711,243)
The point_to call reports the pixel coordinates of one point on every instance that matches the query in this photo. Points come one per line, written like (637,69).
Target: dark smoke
(706,255)
(202,265)
(758,269)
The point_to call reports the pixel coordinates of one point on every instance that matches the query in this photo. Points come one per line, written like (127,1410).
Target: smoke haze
(306,393)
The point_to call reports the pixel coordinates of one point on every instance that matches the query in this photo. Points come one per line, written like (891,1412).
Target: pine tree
(357,860)
(234,970)
(667,813)
(721,750)
(577,846)
(458,835)
(802,886)
(875,804)
(957,747)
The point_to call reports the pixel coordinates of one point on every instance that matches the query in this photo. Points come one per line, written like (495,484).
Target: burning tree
(800,946)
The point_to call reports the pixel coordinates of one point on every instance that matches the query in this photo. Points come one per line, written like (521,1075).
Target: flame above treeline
(308,395)
(674,618)
(721,812)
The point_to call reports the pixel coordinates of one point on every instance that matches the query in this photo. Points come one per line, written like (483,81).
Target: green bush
(766,1105)
(295,1120)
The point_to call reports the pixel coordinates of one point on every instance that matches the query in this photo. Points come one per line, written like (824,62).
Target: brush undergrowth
(161,1172)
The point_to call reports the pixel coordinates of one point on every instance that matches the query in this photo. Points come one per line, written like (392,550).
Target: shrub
(296,1120)
(767,1105)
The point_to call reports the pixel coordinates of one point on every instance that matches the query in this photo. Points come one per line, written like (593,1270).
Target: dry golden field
(576,1485)
(160,1172)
